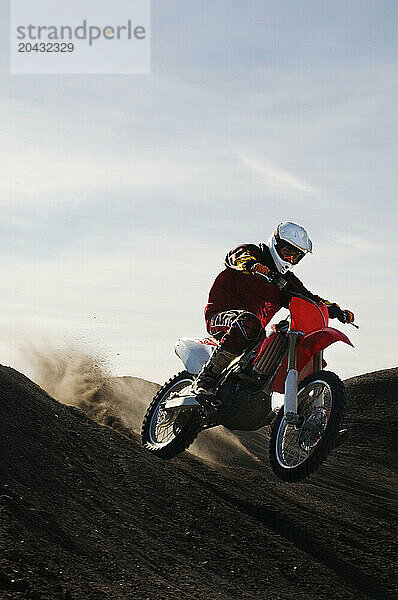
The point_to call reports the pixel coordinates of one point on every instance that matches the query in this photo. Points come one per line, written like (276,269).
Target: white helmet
(288,244)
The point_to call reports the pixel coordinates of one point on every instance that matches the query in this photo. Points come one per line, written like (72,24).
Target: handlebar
(280,281)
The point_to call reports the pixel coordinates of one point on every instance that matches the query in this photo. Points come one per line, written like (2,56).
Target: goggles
(288,252)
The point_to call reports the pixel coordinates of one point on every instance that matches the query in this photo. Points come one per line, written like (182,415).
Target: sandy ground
(86,513)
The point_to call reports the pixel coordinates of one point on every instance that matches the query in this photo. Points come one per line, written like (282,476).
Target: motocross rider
(244,297)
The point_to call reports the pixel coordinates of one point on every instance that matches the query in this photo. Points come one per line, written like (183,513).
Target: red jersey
(237,288)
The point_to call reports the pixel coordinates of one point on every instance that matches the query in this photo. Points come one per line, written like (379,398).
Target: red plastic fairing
(319,340)
(308,369)
(308,316)
(307,346)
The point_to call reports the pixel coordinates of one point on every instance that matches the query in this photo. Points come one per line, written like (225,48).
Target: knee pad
(244,330)
(248,324)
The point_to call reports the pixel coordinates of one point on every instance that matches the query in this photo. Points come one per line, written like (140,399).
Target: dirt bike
(289,361)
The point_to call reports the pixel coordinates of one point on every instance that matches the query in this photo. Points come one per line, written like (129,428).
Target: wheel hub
(312,429)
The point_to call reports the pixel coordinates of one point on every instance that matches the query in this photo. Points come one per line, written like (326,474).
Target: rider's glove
(344,316)
(349,316)
(335,311)
(274,278)
(259,269)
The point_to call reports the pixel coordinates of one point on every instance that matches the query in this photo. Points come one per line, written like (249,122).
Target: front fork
(291,384)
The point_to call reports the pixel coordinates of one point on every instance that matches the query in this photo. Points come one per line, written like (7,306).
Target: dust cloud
(81,379)
(222,447)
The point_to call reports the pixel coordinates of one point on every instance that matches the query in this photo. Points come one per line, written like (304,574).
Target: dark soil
(86,513)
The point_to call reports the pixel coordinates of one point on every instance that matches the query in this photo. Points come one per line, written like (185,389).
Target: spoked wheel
(166,433)
(297,451)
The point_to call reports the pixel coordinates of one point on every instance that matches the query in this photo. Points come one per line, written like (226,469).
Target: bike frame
(308,336)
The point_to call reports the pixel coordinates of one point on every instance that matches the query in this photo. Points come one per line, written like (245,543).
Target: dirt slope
(85,513)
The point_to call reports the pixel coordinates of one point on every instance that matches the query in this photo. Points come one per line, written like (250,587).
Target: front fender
(321,339)
(307,346)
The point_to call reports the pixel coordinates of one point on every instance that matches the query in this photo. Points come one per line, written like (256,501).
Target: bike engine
(243,409)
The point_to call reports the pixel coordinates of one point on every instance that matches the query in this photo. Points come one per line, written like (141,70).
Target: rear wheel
(167,433)
(297,451)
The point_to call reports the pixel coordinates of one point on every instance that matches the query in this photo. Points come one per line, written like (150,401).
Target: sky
(121,194)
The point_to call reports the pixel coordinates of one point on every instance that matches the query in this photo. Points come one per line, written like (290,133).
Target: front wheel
(167,433)
(297,451)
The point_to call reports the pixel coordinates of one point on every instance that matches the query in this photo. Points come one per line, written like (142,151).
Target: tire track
(284,526)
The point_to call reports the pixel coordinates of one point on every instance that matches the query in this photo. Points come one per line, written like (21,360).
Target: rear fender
(194,352)
(307,346)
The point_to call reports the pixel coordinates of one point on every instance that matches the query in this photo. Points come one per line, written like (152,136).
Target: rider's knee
(248,324)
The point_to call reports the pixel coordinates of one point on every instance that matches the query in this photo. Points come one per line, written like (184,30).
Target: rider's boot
(205,383)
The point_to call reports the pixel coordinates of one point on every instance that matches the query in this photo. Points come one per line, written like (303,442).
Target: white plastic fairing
(194,352)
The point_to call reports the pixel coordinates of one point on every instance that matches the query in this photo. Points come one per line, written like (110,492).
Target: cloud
(358,243)
(49,176)
(278,178)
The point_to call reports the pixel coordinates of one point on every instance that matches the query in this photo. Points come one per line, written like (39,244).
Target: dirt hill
(86,513)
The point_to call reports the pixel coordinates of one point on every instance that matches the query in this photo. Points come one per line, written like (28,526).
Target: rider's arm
(243,258)
(296,286)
